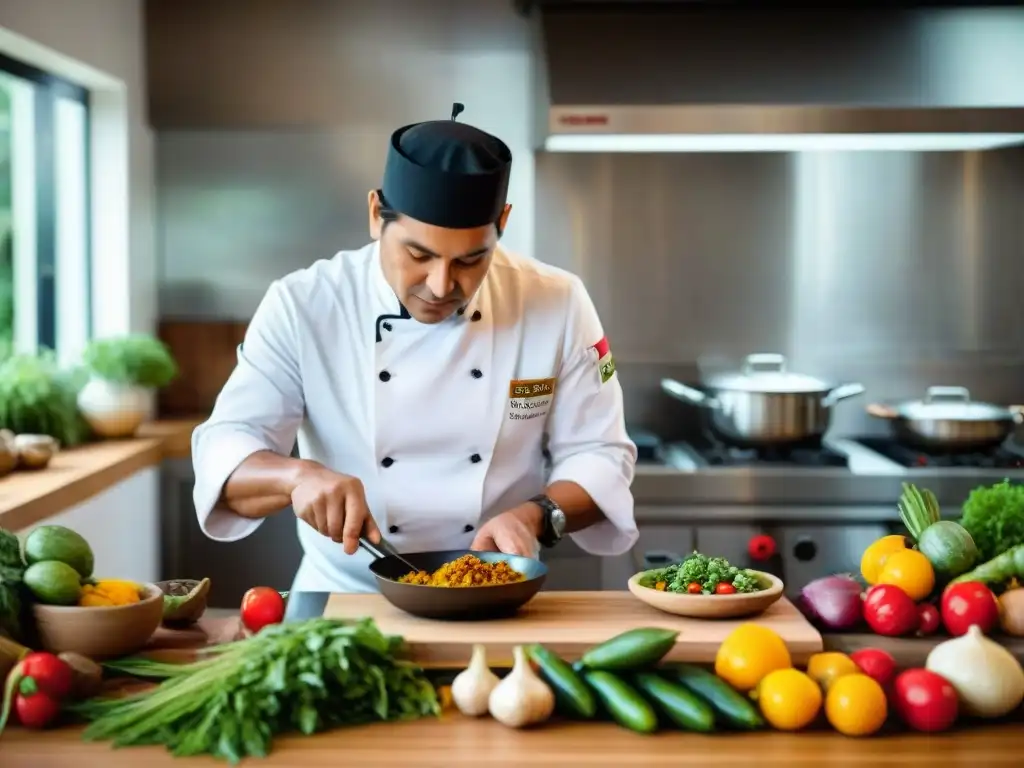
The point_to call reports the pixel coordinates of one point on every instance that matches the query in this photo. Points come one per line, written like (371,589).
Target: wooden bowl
(710,606)
(100,632)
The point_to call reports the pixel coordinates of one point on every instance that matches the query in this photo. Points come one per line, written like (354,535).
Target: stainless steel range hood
(781,80)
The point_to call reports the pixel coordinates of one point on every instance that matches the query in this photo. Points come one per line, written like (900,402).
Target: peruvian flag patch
(605,361)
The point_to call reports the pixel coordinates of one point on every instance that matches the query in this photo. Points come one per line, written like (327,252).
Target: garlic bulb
(988,679)
(521,698)
(471,688)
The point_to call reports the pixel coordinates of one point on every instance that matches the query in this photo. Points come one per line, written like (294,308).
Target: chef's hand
(513,532)
(335,505)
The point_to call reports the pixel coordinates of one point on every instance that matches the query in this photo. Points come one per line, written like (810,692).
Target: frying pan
(452,603)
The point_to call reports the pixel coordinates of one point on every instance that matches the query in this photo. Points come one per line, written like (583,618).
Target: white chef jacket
(444,424)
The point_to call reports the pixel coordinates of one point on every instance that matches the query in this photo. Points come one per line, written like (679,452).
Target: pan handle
(688,394)
(880,411)
(842,392)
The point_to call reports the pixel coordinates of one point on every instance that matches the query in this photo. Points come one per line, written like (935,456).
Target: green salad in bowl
(702,575)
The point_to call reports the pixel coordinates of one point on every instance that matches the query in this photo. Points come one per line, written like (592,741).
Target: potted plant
(37,398)
(124,373)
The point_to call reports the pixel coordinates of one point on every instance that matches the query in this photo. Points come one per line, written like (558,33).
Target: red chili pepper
(724,588)
(694,588)
(761,547)
(34,690)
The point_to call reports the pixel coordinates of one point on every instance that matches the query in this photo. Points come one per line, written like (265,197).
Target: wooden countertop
(459,741)
(77,474)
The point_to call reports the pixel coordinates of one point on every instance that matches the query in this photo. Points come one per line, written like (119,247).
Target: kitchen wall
(265,155)
(899,270)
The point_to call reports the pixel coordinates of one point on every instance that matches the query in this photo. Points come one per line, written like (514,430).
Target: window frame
(48,89)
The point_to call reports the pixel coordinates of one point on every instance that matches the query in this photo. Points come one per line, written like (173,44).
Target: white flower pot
(114,410)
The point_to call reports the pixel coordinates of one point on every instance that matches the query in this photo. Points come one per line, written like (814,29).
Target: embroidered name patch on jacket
(605,361)
(530,398)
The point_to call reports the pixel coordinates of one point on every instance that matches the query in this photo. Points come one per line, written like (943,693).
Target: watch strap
(548,536)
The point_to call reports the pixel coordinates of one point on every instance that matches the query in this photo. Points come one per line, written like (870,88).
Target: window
(44,213)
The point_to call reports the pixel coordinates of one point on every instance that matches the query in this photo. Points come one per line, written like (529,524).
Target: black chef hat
(446,173)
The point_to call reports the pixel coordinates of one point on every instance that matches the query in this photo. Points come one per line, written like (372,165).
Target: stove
(1002,457)
(714,453)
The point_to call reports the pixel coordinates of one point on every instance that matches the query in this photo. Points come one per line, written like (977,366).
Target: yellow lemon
(748,654)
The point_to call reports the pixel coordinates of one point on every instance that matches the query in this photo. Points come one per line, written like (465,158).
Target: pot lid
(766,372)
(953,404)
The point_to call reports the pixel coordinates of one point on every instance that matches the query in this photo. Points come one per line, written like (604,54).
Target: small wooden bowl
(710,606)
(100,632)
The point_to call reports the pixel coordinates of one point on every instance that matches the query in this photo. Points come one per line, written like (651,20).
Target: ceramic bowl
(100,632)
(710,606)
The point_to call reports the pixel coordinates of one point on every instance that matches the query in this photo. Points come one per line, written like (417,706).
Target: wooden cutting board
(568,623)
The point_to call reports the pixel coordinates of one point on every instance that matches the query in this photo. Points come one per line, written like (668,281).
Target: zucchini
(677,702)
(625,705)
(635,649)
(731,708)
(571,694)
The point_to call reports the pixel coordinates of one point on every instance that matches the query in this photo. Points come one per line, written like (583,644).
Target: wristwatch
(554,521)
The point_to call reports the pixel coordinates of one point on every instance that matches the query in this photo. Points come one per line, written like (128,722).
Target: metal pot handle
(958,394)
(764,362)
(842,392)
(688,394)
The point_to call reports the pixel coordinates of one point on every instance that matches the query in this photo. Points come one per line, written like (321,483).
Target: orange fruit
(789,699)
(856,705)
(910,571)
(748,654)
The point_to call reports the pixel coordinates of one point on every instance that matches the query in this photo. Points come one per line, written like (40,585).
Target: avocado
(184,601)
(52,582)
(55,542)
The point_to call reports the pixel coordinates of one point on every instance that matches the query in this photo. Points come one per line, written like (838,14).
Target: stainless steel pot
(765,405)
(948,420)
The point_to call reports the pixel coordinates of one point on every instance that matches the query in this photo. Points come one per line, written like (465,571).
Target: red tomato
(724,588)
(967,603)
(889,611)
(262,606)
(928,615)
(925,701)
(50,674)
(761,547)
(876,664)
(36,710)
(694,588)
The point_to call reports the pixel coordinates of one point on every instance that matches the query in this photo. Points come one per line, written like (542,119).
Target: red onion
(834,602)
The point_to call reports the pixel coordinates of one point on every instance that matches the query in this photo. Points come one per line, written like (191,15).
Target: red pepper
(694,588)
(724,588)
(34,690)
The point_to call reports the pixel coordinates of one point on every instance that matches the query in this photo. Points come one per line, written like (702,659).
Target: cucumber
(571,693)
(730,706)
(625,705)
(635,649)
(677,702)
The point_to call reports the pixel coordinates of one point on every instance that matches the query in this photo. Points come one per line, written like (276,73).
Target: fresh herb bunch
(994,516)
(12,568)
(137,360)
(709,572)
(37,397)
(306,676)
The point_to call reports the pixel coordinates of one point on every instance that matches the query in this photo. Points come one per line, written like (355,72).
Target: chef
(440,391)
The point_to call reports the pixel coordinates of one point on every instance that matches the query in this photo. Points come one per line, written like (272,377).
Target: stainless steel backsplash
(899,270)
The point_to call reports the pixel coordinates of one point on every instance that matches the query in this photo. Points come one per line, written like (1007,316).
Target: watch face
(558,521)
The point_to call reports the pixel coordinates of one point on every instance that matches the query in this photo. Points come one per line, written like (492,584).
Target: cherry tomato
(50,674)
(889,611)
(928,616)
(876,664)
(724,588)
(694,588)
(967,603)
(925,701)
(262,606)
(761,547)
